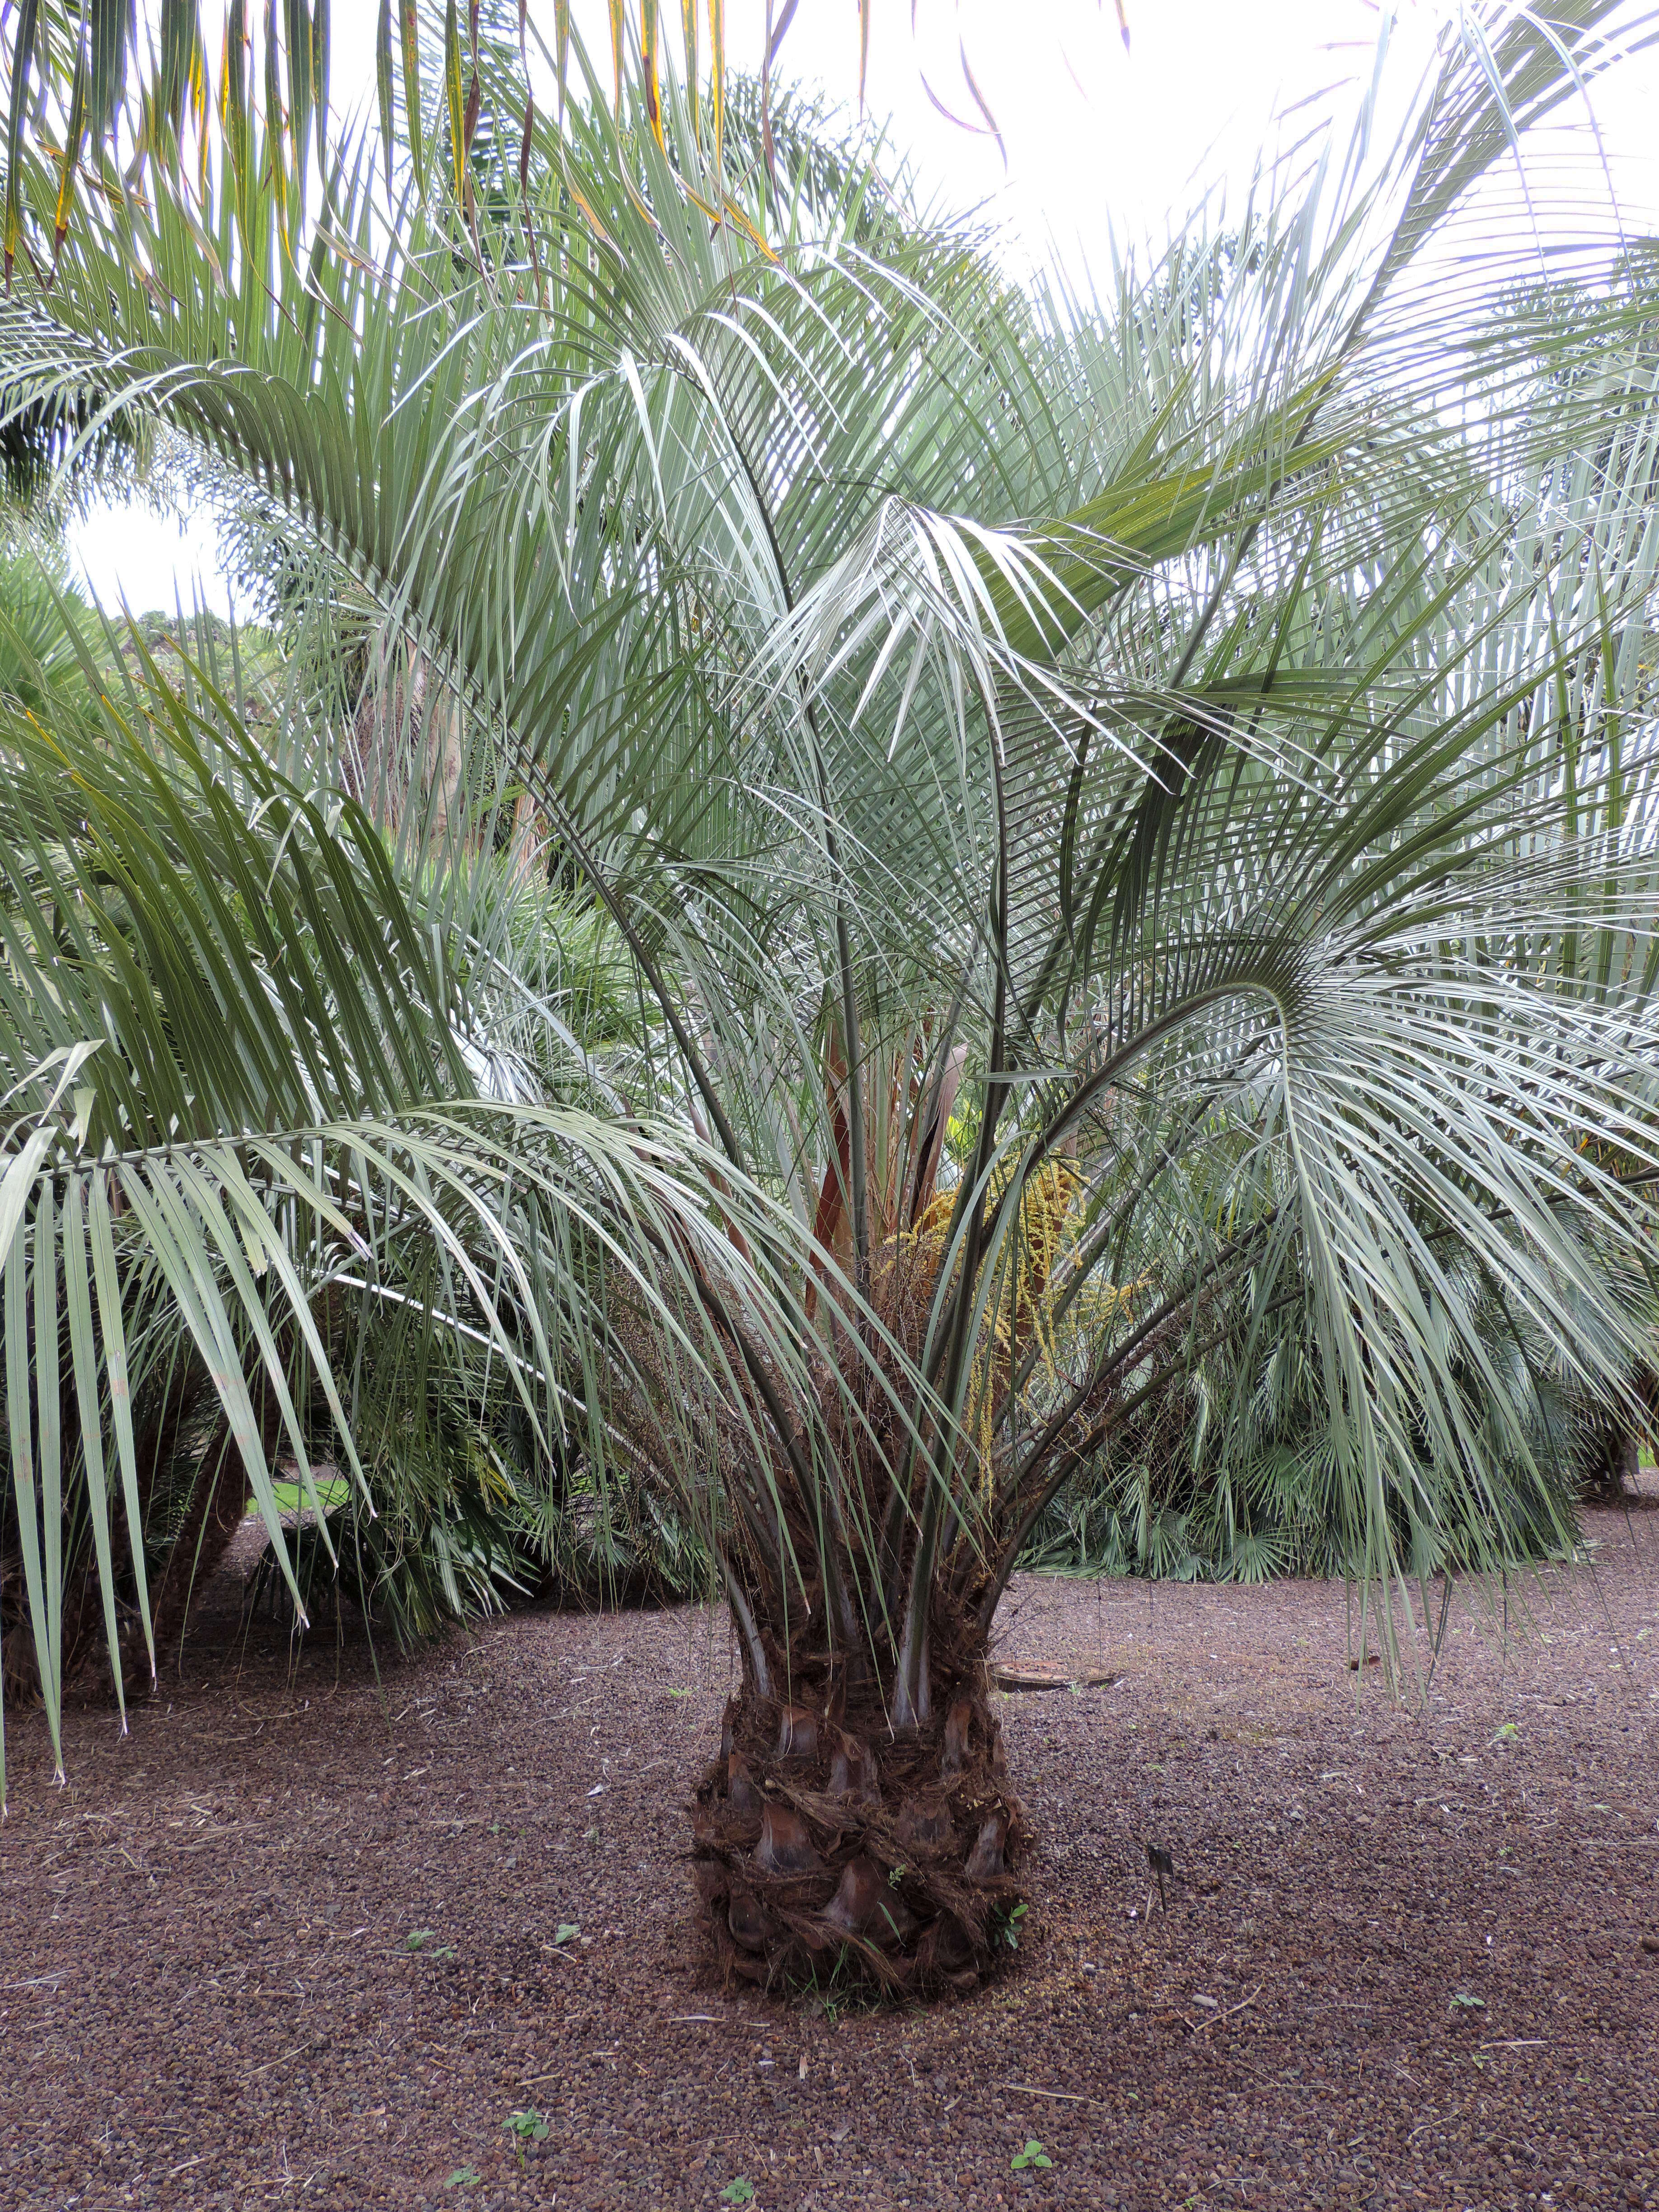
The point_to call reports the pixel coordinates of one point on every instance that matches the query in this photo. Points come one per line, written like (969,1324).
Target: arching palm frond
(258,1080)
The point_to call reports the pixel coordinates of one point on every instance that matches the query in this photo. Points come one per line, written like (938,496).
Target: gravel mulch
(1403,1960)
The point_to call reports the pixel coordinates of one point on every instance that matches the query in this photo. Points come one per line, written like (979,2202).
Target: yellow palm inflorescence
(1025,1309)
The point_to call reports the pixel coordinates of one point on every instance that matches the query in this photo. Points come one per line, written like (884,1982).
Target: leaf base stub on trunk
(829,1849)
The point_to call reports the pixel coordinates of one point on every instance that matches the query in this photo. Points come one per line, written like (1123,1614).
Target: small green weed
(896,1874)
(1469,2003)
(569,1930)
(417,1939)
(740,2191)
(679,1693)
(525,2128)
(1012,1924)
(464,2177)
(1508,1733)
(1032,2156)
(837,1990)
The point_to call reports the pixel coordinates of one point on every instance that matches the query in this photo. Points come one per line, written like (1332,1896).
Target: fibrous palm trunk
(833,1841)
(830,1846)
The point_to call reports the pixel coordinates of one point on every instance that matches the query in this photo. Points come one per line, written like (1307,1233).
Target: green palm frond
(250,1076)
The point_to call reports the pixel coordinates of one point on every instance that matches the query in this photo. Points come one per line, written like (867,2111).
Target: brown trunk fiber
(218,1503)
(215,1513)
(830,1849)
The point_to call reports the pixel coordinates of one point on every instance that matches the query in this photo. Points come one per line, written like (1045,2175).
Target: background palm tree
(1169,754)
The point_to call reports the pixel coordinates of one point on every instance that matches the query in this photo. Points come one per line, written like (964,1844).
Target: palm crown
(1120,819)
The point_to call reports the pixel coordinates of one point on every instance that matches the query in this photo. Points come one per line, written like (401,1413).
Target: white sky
(1098,142)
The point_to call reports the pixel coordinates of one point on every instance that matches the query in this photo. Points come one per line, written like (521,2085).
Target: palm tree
(1093,797)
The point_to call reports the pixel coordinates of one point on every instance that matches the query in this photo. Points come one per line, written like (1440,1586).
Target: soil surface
(304,1939)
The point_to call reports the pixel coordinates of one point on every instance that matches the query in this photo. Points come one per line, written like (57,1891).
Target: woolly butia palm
(1115,747)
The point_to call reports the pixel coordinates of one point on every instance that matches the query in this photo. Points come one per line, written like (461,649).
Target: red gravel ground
(1403,1961)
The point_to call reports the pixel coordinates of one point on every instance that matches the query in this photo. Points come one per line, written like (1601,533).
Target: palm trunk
(217,1506)
(831,1847)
